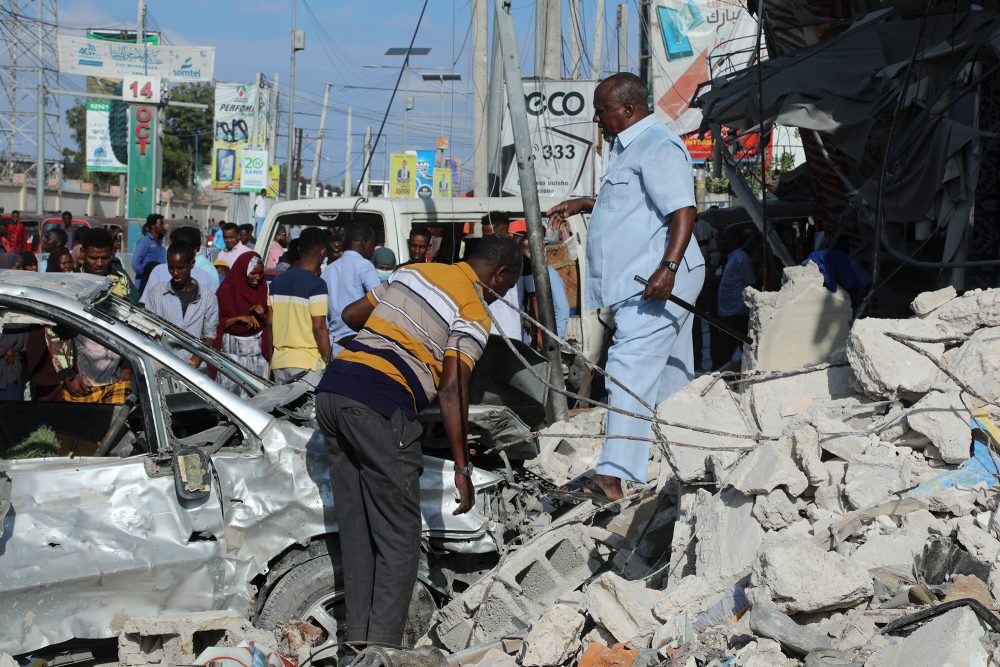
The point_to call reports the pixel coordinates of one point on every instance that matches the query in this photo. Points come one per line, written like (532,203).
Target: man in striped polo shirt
(419,336)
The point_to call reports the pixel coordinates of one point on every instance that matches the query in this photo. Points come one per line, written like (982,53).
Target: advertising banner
(442,182)
(425,173)
(684,35)
(141,196)
(563,137)
(235,108)
(253,170)
(744,146)
(273,174)
(404,175)
(116,60)
(100,154)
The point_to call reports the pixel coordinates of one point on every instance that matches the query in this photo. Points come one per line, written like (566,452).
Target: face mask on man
(384,275)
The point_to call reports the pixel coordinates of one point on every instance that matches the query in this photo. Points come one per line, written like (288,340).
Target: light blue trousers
(651,354)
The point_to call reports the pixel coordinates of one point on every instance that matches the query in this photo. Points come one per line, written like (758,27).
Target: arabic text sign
(94,57)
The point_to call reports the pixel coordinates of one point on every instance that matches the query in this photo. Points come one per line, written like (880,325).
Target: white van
(394,218)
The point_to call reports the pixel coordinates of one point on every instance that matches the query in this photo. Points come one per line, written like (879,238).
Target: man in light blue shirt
(149,249)
(641,224)
(349,278)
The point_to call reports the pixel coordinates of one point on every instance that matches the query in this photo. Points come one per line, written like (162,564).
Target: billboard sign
(117,60)
(253,171)
(404,175)
(235,114)
(683,36)
(425,174)
(442,182)
(142,161)
(100,154)
(563,137)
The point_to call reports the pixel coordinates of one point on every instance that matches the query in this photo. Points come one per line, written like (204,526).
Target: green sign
(142,157)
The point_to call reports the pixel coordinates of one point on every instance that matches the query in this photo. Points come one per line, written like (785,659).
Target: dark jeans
(375,472)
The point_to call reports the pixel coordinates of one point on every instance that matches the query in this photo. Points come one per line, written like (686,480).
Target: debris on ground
(798,515)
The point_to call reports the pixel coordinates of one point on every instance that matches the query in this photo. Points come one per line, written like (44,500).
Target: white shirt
(161,274)
(506,318)
(260,206)
(347,280)
(230,256)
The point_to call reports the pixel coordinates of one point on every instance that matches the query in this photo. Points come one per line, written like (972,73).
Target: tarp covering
(846,88)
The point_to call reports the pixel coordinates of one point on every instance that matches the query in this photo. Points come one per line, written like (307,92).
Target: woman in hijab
(244,333)
(384,260)
(60,261)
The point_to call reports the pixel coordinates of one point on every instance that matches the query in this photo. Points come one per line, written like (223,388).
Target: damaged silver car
(181,497)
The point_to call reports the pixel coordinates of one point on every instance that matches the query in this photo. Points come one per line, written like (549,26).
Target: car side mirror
(192,474)
(5,487)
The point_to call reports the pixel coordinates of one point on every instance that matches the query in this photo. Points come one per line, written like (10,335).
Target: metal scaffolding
(28,63)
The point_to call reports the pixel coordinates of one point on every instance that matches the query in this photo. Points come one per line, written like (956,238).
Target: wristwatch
(467,470)
(670,266)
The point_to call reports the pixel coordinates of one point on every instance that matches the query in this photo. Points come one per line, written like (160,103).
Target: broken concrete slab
(562,459)
(775,402)
(837,438)
(727,534)
(800,325)
(981,545)
(953,639)
(775,510)
(943,418)
(884,368)
(890,551)
(692,594)
(977,364)
(807,452)
(976,309)
(554,638)
(801,577)
(719,410)
(871,478)
(766,468)
(623,608)
(922,523)
(768,621)
(927,302)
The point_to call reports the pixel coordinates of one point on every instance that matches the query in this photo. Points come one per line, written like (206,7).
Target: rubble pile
(841,513)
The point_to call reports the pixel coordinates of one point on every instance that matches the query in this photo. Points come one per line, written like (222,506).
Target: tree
(185,133)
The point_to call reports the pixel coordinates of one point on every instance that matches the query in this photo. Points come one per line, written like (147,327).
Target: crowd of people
(275,310)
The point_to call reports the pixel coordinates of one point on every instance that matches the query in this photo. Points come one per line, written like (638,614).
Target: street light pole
(298,44)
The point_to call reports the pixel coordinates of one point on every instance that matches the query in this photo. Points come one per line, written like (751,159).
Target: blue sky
(341,38)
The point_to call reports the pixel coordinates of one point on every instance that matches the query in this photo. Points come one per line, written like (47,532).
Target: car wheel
(312,591)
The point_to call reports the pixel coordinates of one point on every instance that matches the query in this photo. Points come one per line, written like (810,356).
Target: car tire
(312,590)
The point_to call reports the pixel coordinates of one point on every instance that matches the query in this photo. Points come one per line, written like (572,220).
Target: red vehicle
(80,225)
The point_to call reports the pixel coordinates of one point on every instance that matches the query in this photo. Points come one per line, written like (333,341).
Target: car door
(91,540)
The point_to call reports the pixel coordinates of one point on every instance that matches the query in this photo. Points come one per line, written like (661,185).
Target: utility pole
(574,39)
(298,160)
(529,196)
(494,117)
(366,181)
(40,155)
(622,37)
(596,70)
(273,152)
(347,158)
(548,39)
(645,57)
(481,157)
(298,43)
(319,139)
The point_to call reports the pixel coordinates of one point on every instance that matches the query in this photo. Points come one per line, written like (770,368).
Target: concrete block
(497,658)
(718,409)
(831,499)
(526,582)
(801,324)
(623,608)
(767,620)
(977,364)
(980,544)
(884,368)
(801,577)
(176,639)
(927,302)
(890,551)
(776,403)
(554,638)
(691,595)
(727,535)
(805,447)
(943,418)
(562,459)
(953,639)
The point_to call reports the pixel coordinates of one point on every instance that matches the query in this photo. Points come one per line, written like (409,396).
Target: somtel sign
(116,60)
